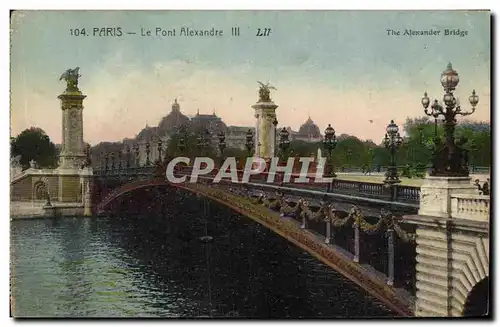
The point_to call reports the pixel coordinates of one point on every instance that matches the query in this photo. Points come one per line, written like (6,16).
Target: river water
(157,266)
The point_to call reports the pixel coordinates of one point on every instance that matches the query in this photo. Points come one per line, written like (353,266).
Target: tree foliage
(34,144)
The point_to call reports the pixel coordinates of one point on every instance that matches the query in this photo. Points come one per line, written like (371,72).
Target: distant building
(173,121)
(308,132)
(212,123)
(235,136)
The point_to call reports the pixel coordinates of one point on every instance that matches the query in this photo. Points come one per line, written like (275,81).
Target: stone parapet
(436,194)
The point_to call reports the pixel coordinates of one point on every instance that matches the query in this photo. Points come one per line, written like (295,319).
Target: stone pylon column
(73,150)
(265,114)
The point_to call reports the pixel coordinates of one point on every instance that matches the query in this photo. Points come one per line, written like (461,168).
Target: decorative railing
(308,217)
(470,206)
(395,192)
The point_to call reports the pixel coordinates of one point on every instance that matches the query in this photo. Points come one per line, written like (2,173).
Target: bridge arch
(469,273)
(296,235)
(477,302)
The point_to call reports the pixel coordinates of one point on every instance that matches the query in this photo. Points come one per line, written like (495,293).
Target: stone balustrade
(471,207)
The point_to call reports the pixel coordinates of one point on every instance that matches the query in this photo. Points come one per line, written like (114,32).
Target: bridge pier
(452,238)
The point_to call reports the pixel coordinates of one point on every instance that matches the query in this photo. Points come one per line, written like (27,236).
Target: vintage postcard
(250,164)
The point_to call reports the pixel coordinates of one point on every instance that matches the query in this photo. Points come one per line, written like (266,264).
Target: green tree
(34,144)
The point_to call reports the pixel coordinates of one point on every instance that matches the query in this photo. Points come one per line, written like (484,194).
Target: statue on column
(265,92)
(71,77)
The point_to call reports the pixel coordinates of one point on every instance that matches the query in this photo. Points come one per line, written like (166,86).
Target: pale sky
(339,67)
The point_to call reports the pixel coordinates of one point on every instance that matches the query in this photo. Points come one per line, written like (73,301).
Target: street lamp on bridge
(160,149)
(284,144)
(222,145)
(112,161)
(148,145)
(127,151)
(249,142)
(329,144)
(275,124)
(392,141)
(451,159)
(203,140)
(136,151)
(105,164)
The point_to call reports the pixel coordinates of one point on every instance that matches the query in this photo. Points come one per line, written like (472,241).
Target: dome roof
(309,129)
(212,123)
(147,133)
(171,122)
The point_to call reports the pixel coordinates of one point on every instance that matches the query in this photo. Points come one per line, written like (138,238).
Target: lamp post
(473,149)
(119,157)
(284,144)
(249,142)
(112,162)
(181,144)
(148,145)
(349,155)
(222,146)
(275,123)
(329,144)
(451,158)
(370,162)
(202,141)
(105,162)
(127,151)
(136,150)
(160,149)
(392,141)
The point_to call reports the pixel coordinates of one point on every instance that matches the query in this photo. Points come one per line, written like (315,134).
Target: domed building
(309,130)
(171,123)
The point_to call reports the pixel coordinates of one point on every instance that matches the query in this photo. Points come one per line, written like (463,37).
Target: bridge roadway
(306,215)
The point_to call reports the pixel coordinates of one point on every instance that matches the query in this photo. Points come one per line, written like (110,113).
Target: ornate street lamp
(284,144)
(147,153)
(136,151)
(348,157)
(451,160)
(222,145)
(181,144)
(160,148)
(275,124)
(105,162)
(329,144)
(112,161)
(249,142)
(392,141)
(202,140)
(127,151)
(119,160)
(370,161)
(473,149)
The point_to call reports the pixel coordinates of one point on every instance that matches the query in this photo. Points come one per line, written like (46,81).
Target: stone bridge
(449,255)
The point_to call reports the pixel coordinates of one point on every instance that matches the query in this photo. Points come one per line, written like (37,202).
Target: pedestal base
(72,162)
(436,192)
